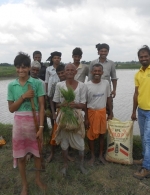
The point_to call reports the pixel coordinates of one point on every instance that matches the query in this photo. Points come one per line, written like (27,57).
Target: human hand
(113,93)
(110,116)
(28,94)
(39,134)
(133,116)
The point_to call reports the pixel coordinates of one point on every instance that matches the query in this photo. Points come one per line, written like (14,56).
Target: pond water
(123,101)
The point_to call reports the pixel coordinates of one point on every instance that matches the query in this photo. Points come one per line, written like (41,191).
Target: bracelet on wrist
(41,126)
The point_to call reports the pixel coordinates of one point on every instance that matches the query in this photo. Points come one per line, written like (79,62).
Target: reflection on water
(123,101)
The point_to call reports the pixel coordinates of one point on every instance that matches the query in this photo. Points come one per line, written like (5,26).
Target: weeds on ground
(111,179)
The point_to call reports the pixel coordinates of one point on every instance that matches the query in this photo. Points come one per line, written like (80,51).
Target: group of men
(91,99)
(95,99)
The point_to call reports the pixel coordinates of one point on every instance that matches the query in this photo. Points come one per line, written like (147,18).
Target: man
(109,72)
(82,69)
(37,56)
(98,94)
(141,99)
(34,72)
(60,70)
(69,138)
(51,77)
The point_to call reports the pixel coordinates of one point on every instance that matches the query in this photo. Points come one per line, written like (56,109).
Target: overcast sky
(62,25)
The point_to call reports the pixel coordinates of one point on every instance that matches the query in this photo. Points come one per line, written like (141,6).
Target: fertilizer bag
(120,142)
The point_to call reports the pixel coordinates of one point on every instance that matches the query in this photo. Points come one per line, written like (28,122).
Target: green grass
(7,71)
(112,179)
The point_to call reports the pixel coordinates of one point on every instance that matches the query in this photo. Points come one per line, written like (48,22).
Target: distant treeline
(8,70)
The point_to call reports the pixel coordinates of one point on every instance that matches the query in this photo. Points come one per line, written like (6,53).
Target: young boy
(24,137)
(98,94)
(82,69)
(51,77)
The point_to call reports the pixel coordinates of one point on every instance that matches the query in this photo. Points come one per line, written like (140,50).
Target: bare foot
(24,191)
(102,160)
(50,158)
(41,185)
(70,158)
(91,162)
(83,170)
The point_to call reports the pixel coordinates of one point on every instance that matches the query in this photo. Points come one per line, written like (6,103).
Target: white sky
(62,25)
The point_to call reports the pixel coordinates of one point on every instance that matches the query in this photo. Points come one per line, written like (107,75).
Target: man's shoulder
(95,61)
(110,61)
(104,82)
(14,82)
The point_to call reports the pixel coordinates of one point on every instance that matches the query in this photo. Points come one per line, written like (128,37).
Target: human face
(61,75)
(97,73)
(34,72)
(144,58)
(37,57)
(22,71)
(76,58)
(56,60)
(70,71)
(103,53)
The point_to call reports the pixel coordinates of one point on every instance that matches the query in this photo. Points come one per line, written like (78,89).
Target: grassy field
(7,71)
(111,179)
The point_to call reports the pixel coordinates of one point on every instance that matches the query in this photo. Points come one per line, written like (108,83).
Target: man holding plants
(141,99)
(70,96)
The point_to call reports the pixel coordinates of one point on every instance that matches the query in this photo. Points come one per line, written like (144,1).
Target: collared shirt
(82,72)
(51,78)
(108,69)
(142,81)
(15,90)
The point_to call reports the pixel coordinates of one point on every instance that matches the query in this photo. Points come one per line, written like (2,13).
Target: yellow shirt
(142,81)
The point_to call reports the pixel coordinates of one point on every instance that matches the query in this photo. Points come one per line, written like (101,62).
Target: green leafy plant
(69,119)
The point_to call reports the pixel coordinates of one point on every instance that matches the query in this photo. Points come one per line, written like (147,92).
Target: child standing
(24,136)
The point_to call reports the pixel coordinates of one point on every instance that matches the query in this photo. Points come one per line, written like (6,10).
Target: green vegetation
(7,71)
(111,179)
(128,66)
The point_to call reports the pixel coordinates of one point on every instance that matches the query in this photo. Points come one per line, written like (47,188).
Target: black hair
(60,68)
(144,48)
(97,65)
(77,51)
(36,52)
(22,59)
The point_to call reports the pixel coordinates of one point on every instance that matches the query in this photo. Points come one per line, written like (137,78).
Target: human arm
(109,103)
(14,105)
(135,104)
(41,117)
(52,108)
(46,80)
(114,84)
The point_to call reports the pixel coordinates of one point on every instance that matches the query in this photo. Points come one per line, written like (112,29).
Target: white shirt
(51,77)
(97,94)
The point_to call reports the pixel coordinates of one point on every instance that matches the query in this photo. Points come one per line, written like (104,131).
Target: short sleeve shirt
(108,68)
(15,90)
(97,94)
(142,81)
(80,92)
(82,72)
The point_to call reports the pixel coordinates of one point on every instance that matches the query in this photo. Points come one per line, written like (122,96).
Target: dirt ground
(111,179)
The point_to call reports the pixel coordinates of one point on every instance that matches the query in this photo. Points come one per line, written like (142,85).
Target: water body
(123,101)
